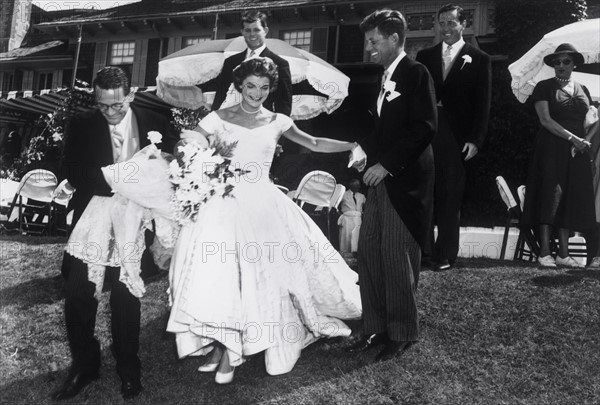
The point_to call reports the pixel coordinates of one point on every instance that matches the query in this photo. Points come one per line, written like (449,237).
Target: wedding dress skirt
(253,271)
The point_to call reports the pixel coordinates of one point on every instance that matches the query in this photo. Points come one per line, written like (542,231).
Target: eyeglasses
(565,62)
(116,106)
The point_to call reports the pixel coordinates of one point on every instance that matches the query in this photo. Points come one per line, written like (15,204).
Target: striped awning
(21,106)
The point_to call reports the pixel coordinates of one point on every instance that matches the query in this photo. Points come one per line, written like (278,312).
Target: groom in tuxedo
(111,133)
(462,75)
(400,176)
(255,30)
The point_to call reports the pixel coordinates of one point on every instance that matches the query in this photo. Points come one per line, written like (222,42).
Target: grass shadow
(33,240)
(33,292)
(570,277)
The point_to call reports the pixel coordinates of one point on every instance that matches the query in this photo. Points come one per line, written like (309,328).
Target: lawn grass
(492,332)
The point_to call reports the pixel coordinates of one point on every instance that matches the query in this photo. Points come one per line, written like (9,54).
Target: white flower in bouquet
(198,174)
(187,151)
(175,171)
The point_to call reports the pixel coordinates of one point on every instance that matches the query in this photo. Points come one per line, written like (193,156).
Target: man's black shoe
(442,266)
(76,381)
(392,349)
(367,342)
(130,389)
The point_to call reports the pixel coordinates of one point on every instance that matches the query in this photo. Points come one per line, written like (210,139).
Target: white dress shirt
(454,51)
(257,51)
(389,72)
(128,129)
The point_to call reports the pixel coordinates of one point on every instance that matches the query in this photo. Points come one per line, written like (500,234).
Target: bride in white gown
(254,273)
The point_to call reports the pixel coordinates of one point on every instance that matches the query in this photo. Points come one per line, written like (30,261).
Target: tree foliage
(521,24)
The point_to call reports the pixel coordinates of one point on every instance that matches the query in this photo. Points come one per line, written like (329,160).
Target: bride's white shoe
(224,378)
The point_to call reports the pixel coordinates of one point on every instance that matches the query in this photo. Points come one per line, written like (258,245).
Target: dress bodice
(255,146)
(567,109)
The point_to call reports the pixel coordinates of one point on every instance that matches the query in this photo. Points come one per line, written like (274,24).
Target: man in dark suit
(255,30)
(462,75)
(111,133)
(398,212)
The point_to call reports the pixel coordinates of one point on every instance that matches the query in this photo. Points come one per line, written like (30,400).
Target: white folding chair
(337,196)
(8,190)
(31,206)
(60,201)
(318,189)
(513,218)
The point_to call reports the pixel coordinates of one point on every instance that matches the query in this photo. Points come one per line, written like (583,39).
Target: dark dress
(560,188)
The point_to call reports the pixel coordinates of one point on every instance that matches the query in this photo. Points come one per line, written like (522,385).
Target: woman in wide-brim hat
(568,49)
(560,192)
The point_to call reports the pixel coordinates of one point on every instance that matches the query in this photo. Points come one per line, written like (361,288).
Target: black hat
(564,48)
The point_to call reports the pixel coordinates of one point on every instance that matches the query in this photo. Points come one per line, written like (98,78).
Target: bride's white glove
(194,136)
(358,158)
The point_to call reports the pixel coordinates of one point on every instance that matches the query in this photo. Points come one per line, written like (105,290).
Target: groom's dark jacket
(88,147)
(279,101)
(401,142)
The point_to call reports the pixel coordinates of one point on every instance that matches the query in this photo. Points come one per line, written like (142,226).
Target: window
(7,81)
(122,53)
(43,80)
(187,41)
(299,39)
(420,22)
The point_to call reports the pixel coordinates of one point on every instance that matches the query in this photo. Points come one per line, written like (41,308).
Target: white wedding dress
(254,272)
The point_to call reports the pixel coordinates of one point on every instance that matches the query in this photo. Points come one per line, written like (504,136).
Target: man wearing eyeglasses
(111,133)
(462,76)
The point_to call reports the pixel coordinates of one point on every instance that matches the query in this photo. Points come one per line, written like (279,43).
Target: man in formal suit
(462,75)
(111,133)
(400,176)
(255,30)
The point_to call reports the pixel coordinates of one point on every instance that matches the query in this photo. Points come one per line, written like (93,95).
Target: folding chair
(526,242)
(337,196)
(60,201)
(8,190)
(318,188)
(31,207)
(283,189)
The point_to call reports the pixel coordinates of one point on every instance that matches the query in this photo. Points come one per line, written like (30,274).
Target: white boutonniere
(466,59)
(154,137)
(390,90)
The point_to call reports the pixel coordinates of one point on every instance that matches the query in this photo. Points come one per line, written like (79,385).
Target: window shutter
(100,58)
(319,45)
(138,70)
(27,80)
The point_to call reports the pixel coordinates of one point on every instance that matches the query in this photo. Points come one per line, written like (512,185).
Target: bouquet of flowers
(185,118)
(200,173)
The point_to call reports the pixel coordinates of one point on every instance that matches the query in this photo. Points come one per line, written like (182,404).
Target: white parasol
(180,74)
(530,68)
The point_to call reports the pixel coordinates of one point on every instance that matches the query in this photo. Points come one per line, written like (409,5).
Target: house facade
(136,36)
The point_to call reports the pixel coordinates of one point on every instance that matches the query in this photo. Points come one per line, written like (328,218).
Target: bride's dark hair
(261,67)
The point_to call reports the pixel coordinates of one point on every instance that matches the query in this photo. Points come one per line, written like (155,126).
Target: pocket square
(392,95)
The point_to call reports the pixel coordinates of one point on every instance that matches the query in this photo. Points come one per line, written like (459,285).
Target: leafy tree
(521,24)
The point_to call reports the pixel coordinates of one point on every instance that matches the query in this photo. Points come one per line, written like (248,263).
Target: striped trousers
(389,260)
